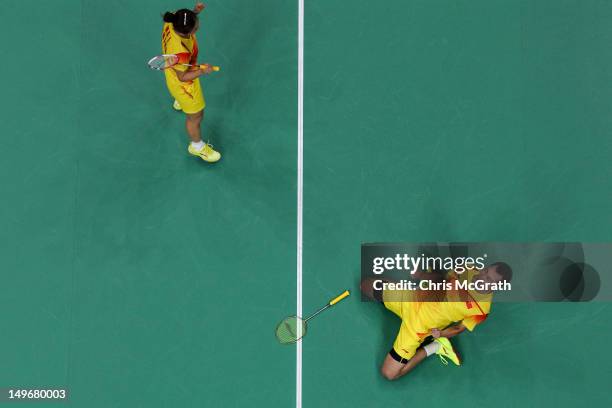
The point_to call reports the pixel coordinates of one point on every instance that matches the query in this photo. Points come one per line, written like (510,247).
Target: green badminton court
(135,275)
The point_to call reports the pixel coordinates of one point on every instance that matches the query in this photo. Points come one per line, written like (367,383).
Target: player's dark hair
(182,20)
(504,270)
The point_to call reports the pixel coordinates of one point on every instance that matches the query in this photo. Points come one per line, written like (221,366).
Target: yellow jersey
(418,317)
(188,94)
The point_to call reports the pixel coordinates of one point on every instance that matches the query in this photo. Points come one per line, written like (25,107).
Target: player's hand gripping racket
(293,328)
(161,62)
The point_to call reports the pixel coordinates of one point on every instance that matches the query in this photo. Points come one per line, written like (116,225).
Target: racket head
(290,329)
(161,62)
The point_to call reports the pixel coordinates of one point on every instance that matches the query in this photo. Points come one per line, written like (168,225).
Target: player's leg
(191,100)
(193,124)
(405,354)
(197,147)
(412,354)
(408,352)
(395,366)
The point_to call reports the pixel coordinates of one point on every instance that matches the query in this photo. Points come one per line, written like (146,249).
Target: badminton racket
(293,328)
(165,61)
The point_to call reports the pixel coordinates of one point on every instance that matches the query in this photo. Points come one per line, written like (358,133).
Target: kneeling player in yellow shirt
(438,319)
(178,38)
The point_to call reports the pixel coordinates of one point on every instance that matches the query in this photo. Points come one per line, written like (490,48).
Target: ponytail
(168,17)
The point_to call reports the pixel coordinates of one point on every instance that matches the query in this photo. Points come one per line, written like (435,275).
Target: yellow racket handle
(339,298)
(214,67)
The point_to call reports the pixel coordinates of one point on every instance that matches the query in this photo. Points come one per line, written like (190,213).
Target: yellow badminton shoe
(177,106)
(206,153)
(446,350)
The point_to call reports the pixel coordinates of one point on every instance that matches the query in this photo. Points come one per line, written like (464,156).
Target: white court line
(300,197)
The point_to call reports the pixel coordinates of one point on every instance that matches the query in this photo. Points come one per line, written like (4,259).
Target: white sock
(199,145)
(431,348)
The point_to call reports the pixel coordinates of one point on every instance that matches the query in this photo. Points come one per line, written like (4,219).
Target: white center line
(300,198)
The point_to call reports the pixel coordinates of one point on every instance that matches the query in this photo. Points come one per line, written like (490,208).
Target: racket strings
(290,330)
(161,62)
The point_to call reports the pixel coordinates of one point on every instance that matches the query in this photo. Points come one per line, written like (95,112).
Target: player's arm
(449,332)
(452,330)
(190,75)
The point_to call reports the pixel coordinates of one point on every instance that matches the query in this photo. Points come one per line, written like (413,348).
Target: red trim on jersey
(482,316)
(183,58)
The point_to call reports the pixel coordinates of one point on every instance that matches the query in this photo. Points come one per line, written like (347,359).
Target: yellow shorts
(188,94)
(407,341)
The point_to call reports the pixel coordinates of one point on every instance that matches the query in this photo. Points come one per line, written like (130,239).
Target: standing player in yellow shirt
(438,319)
(178,37)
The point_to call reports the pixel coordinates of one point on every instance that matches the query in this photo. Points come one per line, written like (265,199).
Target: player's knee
(195,117)
(388,374)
